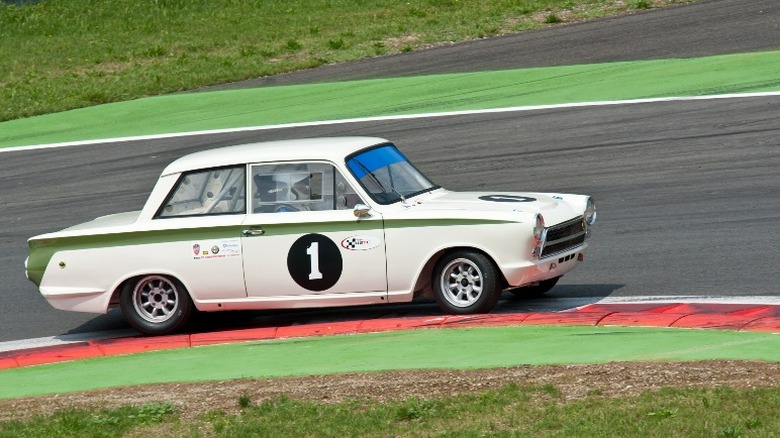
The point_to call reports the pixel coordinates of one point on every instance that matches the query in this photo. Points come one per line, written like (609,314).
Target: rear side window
(207,192)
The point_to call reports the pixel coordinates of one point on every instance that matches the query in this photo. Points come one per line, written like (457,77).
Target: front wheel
(156,304)
(465,282)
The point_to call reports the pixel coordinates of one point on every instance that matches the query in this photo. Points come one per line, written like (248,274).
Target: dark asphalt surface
(688,191)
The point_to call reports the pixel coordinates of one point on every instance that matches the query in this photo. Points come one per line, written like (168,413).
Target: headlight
(540,235)
(590,212)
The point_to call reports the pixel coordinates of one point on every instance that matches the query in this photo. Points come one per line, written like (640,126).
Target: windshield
(387,175)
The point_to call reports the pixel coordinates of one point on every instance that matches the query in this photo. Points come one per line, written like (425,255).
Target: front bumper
(534,271)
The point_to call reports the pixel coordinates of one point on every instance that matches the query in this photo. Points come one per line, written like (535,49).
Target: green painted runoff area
(738,73)
(454,348)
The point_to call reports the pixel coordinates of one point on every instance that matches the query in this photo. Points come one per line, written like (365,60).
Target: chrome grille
(564,236)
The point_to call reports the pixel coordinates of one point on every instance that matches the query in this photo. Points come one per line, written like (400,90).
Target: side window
(207,192)
(299,187)
(346,197)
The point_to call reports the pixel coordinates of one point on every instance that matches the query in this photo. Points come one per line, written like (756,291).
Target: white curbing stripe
(51,341)
(388,118)
(760,300)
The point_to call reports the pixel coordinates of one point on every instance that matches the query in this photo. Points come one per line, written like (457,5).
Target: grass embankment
(59,55)
(511,411)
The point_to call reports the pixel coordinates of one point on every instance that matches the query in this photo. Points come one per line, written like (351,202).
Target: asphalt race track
(687,191)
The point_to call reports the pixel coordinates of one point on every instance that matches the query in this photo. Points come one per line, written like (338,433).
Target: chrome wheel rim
(461,282)
(155,299)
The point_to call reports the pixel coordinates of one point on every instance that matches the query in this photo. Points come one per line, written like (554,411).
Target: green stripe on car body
(416,223)
(43,249)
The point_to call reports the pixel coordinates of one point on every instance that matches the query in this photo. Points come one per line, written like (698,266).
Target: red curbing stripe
(762,318)
(229,336)
(484,320)
(565,318)
(759,311)
(729,308)
(111,347)
(710,308)
(640,319)
(628,308)
(8,361)
(321,329)
(713,321)
(768,324)
(58,353)
(386,324)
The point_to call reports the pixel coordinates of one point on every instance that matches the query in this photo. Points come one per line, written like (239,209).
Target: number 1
(313,252)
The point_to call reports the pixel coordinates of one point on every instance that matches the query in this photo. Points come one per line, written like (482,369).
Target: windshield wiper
(379,183)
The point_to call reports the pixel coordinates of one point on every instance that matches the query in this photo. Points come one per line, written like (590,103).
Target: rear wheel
(156,304)
(537,290)
(465,282)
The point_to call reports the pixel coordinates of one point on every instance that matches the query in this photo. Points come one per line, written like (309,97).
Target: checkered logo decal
(359,243)
(350,243)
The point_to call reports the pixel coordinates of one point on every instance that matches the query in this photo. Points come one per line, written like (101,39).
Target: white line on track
(387,118)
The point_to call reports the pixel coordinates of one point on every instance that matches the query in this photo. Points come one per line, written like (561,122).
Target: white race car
(308,223)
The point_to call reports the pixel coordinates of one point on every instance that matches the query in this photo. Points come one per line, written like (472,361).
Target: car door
(200,223)
(302,241)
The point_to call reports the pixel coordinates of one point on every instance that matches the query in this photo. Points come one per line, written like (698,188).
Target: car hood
(554,207)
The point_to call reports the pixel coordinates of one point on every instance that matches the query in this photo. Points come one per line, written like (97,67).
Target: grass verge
(513,410)
(59,54)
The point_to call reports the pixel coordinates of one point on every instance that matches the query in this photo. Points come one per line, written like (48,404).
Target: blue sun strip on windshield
(374,159)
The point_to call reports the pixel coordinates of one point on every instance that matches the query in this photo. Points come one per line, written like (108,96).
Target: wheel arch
(135,276)
(423,286)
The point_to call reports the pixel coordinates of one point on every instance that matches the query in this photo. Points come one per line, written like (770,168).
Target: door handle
(253,232)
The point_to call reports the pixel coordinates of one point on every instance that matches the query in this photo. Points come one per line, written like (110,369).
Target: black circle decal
(314,262)
(506,198)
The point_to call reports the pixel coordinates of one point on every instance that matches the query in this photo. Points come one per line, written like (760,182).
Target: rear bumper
(77,300)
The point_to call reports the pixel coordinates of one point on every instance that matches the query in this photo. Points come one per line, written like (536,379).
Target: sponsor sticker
(360,243)
(216,249)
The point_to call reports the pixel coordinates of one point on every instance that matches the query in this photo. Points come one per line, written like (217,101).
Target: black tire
(536,290)
(156,304)
(465,282)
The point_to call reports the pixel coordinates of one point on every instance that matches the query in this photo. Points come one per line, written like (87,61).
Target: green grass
(90,423)
(514,410)
(59,54)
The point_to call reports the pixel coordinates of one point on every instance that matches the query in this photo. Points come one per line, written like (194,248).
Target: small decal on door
(360,243)
(216,249)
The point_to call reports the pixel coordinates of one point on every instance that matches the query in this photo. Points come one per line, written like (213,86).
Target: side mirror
(361,210)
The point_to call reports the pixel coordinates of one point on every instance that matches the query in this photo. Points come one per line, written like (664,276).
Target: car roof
(325,148)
